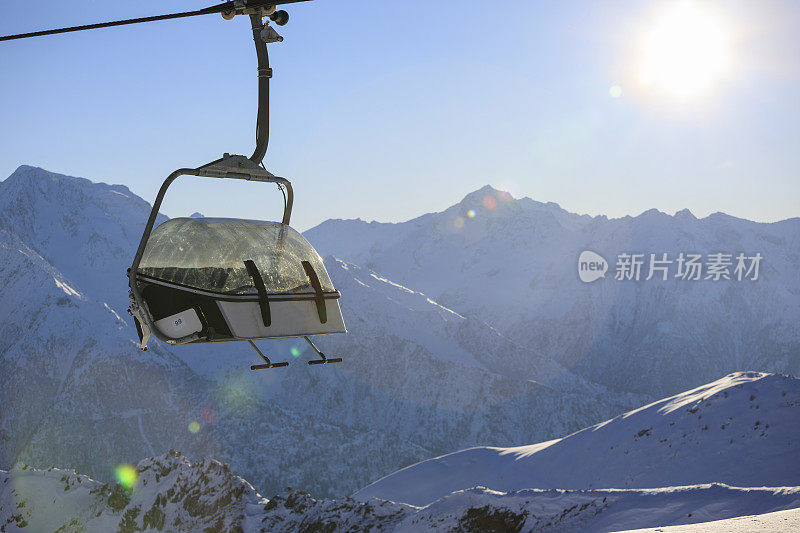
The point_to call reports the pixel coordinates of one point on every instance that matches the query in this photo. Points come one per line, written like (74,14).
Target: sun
(686,51)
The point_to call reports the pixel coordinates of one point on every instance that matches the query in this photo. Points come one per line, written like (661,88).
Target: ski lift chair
(204,280)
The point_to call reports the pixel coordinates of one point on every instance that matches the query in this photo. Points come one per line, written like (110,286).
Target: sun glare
(685,52)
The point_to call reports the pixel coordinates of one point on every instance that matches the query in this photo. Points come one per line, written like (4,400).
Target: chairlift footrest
(323,361)
(267,366)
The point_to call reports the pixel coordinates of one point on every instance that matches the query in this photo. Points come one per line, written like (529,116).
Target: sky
(388,110)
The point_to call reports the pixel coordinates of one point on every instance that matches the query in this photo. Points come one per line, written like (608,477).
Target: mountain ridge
(516,269)
(741,430)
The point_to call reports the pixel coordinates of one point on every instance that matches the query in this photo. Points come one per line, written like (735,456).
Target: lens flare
(194,427)
(471,213)
(489,203)
(236,391)
(126,475)
(615,91)
(208,415)
(295,351)
(458,223)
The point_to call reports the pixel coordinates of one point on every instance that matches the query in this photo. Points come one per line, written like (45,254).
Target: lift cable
(227,7)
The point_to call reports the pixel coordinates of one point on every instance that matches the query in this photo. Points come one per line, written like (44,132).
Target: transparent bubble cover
(209,254)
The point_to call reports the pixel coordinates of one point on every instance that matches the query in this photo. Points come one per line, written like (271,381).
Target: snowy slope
(742,430)
(596,510)
(774,522)
(74,389)
(515,267)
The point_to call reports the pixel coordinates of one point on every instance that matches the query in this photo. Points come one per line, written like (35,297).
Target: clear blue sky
(386,110)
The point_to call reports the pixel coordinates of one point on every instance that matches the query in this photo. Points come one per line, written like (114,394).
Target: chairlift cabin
(203,280)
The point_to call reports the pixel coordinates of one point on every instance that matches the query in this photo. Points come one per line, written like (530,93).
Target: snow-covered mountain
(742,430)
(86,230)
(169,493)
(173,493)
(419,379)
(512,263)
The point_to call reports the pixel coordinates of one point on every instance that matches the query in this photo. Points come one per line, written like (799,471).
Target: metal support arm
(264,75)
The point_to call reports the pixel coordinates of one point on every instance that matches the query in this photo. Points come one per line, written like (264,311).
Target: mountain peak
(485,199)
(651,213)
(487,191)
(27,175)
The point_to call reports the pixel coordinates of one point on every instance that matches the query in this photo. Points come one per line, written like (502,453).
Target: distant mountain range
(743,429)
(513,264)
(463,331)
